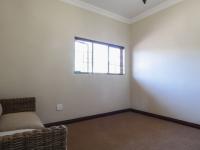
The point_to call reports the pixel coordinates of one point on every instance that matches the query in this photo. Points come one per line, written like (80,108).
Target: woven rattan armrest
(53,138)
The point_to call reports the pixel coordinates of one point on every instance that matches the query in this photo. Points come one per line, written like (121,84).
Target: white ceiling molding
(117,17)
(97,10)
(155,9)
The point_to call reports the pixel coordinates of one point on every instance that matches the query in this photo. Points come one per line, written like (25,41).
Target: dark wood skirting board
(167,118)
(66,122)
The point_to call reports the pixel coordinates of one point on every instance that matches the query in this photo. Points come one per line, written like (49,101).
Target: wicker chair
(53,138)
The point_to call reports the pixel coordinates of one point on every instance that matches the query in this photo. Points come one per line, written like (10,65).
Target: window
(98,57)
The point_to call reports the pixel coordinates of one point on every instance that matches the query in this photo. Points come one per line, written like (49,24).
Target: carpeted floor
(129,131)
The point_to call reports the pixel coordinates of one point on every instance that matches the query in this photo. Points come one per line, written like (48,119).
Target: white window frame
(122,57)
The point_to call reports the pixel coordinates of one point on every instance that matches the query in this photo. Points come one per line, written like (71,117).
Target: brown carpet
(129,131)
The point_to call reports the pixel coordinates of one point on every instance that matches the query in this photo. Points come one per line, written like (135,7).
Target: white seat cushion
(14,132)
(18,121)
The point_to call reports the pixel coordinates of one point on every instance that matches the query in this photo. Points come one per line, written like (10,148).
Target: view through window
(98,57)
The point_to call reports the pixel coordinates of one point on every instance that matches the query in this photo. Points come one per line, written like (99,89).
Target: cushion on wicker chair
(22,120)
(14,132)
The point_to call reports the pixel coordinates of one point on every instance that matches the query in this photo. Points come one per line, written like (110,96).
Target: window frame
(122,57)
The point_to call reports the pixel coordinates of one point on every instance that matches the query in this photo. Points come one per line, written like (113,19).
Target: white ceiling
(126,8)
(127,11)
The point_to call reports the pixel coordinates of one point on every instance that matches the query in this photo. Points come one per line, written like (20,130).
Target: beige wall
(166,62)
(37,58)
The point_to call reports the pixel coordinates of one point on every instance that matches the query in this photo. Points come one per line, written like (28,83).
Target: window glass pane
(92,57)
(114,60)
(100,58)
(83,56)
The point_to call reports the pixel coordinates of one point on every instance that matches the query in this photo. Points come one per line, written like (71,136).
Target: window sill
(87,73)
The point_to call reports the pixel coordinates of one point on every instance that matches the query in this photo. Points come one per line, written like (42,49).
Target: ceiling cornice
(117,17)
(149,12)
(97,10)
